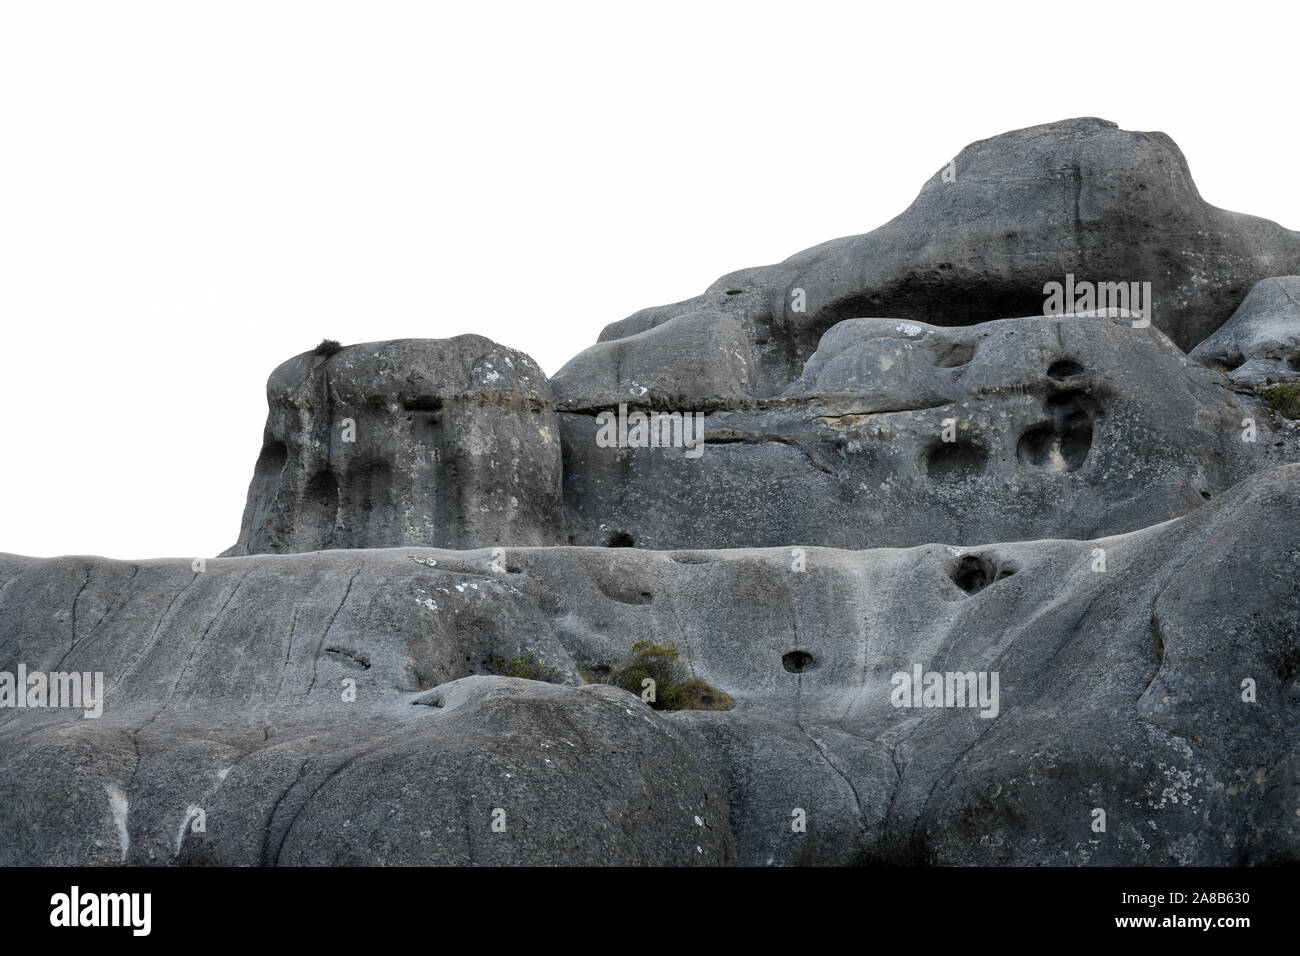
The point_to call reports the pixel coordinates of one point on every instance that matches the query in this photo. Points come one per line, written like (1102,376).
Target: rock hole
(957,301)
(955,461)
(796,662)
(974,572)
(1066,449)
(1205,494)
(1063,443)
(1076,441)
(735,291)
(620,539)
(623,591)
(423,403)
(1064,368)
(958,353)
(1035,445)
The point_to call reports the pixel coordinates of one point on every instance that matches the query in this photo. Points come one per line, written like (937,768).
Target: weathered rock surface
(1011,213)
(826,426)
(1118,583)
(1260,343)
(1119,689)
(898,433)
(225,693)
(450,443)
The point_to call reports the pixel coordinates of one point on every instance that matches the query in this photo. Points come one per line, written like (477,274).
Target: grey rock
(1118,574)
(1260,343)
(671,365)
(1119,689)
(226,694)
(986,234)
(898,433)
(449,442)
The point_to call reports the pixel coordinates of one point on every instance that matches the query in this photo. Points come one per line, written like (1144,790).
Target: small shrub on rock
(525,666)
(1285,398)
(671,690)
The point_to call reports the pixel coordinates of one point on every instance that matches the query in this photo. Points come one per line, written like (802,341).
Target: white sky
(192,192)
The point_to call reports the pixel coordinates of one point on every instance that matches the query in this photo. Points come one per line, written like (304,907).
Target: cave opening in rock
(796,662)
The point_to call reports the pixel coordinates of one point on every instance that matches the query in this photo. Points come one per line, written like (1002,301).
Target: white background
(192,192)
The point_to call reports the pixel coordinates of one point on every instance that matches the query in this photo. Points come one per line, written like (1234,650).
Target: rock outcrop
(898,433)
(986,234)
(1120,669)
(1260,343)
(958,581)
(449,443)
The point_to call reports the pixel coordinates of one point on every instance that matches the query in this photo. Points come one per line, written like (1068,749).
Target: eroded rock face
(698,361)
(898,433)
(1109,623)
(988,232)
(449,442)
(824,427)
(1260,344)
(227,691)
(1120,676)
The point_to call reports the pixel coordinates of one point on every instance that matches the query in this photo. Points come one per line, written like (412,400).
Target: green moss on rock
(1285,398)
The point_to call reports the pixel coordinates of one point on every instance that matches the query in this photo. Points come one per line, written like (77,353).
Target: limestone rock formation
(986,234)
(1119,686)
(452,443)
(898,433)
(957,579)
(227,692)
(1261,342)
